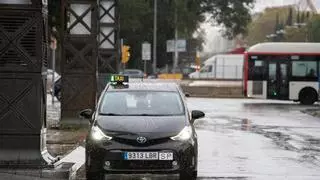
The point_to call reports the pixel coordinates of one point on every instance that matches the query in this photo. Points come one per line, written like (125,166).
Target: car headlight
(98,135)
(184,135)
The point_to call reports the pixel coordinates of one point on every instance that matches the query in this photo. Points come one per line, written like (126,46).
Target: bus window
(304,70)
(257,69)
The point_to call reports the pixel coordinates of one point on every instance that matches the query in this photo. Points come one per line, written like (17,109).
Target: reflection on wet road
(256,139)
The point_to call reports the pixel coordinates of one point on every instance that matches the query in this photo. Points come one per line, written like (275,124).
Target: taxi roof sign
(119,79)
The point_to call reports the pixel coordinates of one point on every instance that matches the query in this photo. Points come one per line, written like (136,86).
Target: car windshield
(142,103)
(131,72)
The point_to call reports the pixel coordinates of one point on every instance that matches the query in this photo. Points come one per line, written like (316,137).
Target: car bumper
(109,158)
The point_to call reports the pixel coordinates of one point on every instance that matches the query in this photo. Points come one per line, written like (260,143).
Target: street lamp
(155,36)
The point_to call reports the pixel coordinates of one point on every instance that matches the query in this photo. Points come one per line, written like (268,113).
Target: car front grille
(135,143)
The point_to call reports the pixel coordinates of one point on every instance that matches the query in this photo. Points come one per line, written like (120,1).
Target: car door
(206,71)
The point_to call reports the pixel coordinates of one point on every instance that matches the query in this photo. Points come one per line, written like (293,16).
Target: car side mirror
(196,115)
(187,94)
(86,114)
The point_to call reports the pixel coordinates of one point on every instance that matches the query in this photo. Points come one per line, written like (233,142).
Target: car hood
(130,127)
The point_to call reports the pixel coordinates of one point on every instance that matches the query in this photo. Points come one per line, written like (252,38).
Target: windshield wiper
(110,114)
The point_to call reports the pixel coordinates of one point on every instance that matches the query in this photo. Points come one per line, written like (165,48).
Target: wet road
(256,139)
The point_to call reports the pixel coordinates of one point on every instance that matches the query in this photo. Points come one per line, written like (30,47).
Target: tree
(233,15)
(273,17)
(136,22)
(314,29)
(266,23)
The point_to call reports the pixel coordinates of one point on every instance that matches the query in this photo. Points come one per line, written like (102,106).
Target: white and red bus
(285,71)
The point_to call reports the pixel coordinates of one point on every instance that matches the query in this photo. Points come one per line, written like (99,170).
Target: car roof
(147,86)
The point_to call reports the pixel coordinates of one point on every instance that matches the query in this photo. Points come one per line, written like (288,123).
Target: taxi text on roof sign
(119,79)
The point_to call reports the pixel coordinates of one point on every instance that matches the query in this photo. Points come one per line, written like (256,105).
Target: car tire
(308,96)
(93,175)
(188,175)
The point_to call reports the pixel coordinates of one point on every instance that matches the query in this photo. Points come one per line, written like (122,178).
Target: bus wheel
(308,96)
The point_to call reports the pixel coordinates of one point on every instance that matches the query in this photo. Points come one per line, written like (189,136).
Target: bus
(283,71)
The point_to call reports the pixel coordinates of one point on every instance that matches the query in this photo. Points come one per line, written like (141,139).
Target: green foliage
(137,22)
(232,14)
(265,23)
(314,29)
(294,34)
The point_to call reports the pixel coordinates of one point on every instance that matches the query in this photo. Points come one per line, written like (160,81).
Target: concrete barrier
(170,76)
(213,92)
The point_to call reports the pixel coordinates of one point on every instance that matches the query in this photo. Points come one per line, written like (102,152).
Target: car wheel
(188,175)
(93,175)
(308,96)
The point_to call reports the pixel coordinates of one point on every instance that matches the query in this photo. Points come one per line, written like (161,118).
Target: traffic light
(125,54)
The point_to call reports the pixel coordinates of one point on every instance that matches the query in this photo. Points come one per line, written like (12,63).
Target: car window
(142,103)
(207,68)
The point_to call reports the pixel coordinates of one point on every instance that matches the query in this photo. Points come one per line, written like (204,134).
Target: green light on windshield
(274,93)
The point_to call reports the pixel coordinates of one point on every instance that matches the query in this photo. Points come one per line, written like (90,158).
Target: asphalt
(238,139)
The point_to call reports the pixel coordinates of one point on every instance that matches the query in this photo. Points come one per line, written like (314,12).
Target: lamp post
(155,36)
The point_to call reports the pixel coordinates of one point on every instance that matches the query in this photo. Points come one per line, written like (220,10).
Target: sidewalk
(64,144)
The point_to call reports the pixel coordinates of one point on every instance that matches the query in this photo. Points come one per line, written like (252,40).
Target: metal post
(215,69)
(145,66)
(236,72)
(123,64)
(155,37)
(176,54)
(223,66)
(53,72)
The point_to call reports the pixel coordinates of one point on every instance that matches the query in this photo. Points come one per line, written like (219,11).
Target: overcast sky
(214,41)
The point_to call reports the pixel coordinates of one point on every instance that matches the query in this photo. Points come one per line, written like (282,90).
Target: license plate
(141,156)
(166,156)
(162,156)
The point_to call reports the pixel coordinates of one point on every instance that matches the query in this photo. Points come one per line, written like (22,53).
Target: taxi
(141,128)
